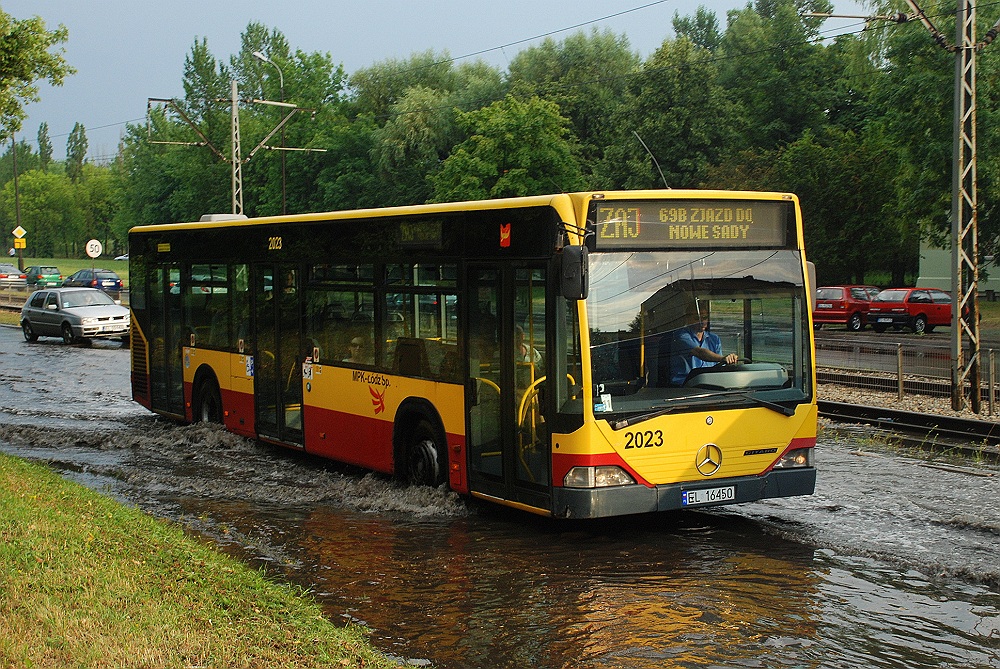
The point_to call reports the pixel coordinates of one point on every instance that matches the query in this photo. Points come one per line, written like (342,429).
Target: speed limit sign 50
(94,248)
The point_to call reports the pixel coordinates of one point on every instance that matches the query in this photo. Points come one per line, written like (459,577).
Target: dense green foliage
(859,126)
(27,57)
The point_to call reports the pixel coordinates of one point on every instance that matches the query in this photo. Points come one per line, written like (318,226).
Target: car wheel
(67,334)
(920,325)
(29,334)
(855,324)
(817,326)
(424,461)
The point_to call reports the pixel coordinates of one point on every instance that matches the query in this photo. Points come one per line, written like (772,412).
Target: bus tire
(425,461)
(207,402)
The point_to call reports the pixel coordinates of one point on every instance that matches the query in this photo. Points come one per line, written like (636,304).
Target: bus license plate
(708,496)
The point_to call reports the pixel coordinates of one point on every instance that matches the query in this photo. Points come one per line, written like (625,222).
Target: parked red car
(919,309)
(843,305)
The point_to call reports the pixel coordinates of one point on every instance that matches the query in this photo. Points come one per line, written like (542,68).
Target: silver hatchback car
(75,314)
(12,277)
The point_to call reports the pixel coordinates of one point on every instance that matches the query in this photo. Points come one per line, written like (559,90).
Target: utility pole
(964,209)
(235,158)
(964,203)
(17,199)
(965,213)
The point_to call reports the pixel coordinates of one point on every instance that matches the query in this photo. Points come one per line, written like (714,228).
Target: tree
(44,146)
(76,152)
(25,59)
(347,178)
(678,110)
(379,87)
(50,211)
(98,200)
(412,143)
(587,77)
(702,29)
(784,96)
(850,217)
(516,147)
(312,81)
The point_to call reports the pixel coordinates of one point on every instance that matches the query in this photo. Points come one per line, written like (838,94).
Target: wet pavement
(892,563)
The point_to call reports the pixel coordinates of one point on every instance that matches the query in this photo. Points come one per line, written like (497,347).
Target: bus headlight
(800,457)
(603,476)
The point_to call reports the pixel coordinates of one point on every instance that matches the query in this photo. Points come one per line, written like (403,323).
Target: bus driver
(694,346)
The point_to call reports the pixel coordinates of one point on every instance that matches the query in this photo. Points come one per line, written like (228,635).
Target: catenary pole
(965,367)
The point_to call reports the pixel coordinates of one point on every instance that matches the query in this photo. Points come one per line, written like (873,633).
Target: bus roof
(557,201)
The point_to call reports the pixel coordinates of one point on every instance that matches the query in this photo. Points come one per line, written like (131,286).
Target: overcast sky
(128,51)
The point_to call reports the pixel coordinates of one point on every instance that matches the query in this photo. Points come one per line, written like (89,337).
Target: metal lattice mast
(235,157)
(237,162)
(964,215)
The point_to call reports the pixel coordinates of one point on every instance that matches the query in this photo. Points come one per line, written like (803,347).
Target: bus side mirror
(574,274)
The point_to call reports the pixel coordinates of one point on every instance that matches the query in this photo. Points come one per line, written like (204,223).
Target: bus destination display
(692,224)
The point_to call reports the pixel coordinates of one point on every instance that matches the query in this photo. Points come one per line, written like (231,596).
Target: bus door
(166,339)
(277,361)
(508,445)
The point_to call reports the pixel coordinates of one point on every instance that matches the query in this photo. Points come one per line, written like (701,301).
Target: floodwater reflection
(509,591)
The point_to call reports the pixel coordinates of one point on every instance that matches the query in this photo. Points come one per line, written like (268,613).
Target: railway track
(975,438)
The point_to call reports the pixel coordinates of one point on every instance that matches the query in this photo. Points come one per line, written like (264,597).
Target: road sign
(94,248)
(20,243)
(19,232)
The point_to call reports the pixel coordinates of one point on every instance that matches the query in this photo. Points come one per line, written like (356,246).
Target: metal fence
(899,368)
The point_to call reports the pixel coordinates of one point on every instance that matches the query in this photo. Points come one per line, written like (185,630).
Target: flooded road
(894,562)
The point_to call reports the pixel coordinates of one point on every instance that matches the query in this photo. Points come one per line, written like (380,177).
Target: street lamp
(281,82)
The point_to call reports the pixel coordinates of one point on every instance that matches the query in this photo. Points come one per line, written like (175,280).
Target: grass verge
(88,582)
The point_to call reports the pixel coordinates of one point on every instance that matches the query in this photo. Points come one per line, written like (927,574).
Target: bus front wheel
(424,458)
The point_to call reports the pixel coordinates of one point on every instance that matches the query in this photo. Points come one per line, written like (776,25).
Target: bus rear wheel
(425,463)
(208,403)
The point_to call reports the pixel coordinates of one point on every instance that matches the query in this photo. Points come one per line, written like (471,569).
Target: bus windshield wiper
(677,402)
(773,406)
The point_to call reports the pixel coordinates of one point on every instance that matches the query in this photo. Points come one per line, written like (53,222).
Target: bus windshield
(678,330)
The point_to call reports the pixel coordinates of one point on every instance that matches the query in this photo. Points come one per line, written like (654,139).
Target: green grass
(69,265)
(87,582)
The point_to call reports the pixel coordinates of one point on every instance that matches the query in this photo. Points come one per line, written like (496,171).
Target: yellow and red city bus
(528,351)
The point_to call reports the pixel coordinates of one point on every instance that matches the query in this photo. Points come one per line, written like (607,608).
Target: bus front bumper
(624,500)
